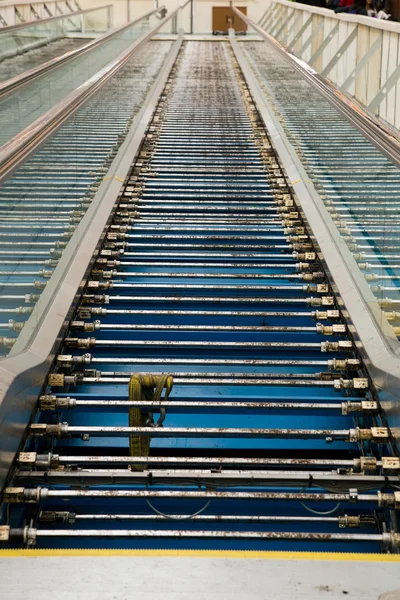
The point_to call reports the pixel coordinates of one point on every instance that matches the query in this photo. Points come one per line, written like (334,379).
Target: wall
(202,11)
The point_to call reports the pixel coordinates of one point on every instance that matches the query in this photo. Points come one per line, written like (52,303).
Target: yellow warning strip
(333,556)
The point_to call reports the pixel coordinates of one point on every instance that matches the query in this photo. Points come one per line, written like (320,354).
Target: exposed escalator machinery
(271,436)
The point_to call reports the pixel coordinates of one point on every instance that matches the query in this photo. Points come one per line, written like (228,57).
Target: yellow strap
(144,387)
(137,445)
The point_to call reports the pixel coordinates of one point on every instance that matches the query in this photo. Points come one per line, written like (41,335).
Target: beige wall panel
(8,14)
(294,30)
(331,48)
(362,48)
(384,71)
(391,65)
(317,39)
(202,10)
(374,67)
(396,122)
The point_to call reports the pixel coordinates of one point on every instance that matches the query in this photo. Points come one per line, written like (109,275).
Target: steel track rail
(248,477)
(31,535)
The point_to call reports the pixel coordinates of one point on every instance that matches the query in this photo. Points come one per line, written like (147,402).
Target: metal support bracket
(278,24)
(363,62)
(300,33)
(324,44)
(34,12)
(19,15)
(309,40)
(299,16)
(263,17)
(46,8)
(343,48)
(385,89)
(284,24)
(275,18)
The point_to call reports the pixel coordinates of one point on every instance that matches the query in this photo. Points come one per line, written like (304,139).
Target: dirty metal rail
(272,436)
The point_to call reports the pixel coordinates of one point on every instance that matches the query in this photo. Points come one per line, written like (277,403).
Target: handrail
(27,76)
(9,28)
(361,306)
